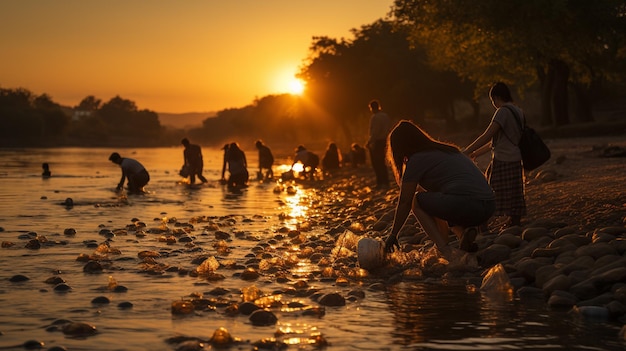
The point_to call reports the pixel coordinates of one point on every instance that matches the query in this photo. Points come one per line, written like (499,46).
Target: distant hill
(184,120)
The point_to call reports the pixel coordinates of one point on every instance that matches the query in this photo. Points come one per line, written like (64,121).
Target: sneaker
(467,239)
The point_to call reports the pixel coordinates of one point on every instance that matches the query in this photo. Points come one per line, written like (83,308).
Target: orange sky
(167,56)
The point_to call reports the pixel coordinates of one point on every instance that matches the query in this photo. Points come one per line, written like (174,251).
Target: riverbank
(570,250)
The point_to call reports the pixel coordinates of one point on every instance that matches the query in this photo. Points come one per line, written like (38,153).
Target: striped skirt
(507,181)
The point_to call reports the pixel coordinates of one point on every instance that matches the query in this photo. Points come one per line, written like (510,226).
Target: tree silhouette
(380,62)
(522,42)
(27,118)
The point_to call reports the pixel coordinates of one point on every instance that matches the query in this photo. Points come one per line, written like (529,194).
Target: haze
(167,56)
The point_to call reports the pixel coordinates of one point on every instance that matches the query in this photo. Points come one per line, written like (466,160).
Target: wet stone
(54,280)
(33,244)
(247,308)
(79,329)
(18,278)
(62,287)
(332,299)
(33,345)
(101,300)
(125,305)
(92,267)
(263,318)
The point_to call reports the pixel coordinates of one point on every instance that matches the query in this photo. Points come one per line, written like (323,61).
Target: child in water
(46,170)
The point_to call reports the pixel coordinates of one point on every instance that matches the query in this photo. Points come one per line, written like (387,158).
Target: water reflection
(423,312)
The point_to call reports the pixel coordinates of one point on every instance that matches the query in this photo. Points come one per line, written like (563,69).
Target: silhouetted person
(193,160)
(237,167)
(132,170)
(46,170)
(332,159)
(357,155)
(266,160)
(309,161)
(379,128)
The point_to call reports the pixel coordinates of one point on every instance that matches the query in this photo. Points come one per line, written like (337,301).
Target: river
(431,314)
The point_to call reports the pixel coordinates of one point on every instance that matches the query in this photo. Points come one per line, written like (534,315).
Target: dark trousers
(377,156)
(137,181)
(196,170)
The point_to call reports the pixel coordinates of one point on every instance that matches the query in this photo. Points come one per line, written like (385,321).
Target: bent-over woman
(441,186)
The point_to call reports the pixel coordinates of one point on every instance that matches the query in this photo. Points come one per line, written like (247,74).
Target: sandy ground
(579,185)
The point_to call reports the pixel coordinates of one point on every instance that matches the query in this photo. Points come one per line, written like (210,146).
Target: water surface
(432,314)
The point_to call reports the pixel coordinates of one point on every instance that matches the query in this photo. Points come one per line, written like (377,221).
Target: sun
(296,86)
(284,81)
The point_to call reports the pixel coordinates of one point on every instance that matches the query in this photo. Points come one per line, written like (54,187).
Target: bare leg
(443,227)
(431,227)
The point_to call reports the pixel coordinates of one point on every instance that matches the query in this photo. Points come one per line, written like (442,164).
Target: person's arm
(120,185)
(403,209)
(223,167)
(481,150)
(482,140)
(295,160)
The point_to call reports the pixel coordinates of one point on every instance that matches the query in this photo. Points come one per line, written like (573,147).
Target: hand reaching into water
(391,244)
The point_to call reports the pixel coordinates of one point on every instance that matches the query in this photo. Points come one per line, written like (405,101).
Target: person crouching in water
(237,167)
(441,186)
(132,170)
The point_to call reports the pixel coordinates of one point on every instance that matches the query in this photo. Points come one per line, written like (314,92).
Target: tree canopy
(523,42)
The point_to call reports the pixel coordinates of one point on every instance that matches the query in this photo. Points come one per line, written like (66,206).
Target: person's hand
(391,244)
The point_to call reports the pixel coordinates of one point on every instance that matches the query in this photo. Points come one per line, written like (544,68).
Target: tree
(25,116)
(89,103)
(380,62)
(554,43)
(53,121)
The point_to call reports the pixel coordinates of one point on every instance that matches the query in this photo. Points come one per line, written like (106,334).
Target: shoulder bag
(534,151)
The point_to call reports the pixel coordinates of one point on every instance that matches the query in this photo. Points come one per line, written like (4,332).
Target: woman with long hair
(441,186)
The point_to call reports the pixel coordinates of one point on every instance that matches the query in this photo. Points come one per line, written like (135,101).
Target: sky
(168,56)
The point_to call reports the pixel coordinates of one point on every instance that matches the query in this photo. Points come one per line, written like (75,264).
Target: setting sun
(296,86)
(285,81)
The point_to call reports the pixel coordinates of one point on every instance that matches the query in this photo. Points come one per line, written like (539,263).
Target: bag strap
(519,124)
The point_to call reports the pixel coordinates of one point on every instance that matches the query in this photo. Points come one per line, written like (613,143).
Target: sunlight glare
(296,87)
(285,81)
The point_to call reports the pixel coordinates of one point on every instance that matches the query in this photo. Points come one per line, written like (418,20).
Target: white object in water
(370,253)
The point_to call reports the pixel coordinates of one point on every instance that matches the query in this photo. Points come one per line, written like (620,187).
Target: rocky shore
(570,249)
(569,252)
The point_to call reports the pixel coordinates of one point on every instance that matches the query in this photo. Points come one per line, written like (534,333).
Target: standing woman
(442,187)
(505,172)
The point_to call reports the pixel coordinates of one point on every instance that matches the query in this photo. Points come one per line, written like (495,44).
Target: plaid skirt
(507,181)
